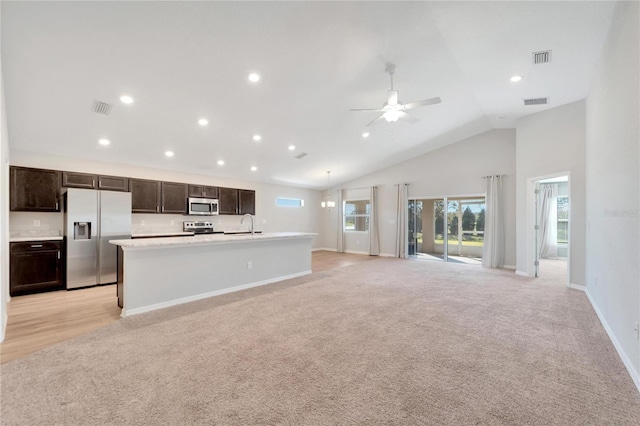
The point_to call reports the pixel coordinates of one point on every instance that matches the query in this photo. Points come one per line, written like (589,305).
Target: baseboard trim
(127,313)
(324,249)
(625,359)
(387,255)
(522,274)
(509,266)
(357,252)
(578,287)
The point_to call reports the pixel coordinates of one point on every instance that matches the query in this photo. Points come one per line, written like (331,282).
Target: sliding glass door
(447,229)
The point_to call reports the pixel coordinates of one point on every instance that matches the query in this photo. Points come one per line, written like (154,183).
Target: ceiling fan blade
(406,117)
(422,103)
(393,98)
(371,123)
(365,109)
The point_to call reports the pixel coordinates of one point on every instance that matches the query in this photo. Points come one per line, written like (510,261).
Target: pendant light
(329,204)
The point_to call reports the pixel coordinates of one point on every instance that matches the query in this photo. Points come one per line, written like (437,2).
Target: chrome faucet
(250,217)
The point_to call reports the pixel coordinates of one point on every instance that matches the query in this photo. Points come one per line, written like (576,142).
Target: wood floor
(38,321)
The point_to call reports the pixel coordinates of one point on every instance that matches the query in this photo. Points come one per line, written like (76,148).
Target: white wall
(613,187)
(550,142)
(456,169)
(268,218)
(4,212)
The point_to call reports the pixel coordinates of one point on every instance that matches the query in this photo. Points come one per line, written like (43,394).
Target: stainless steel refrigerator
(91,219)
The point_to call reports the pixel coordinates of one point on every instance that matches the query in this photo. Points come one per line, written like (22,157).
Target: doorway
(447,229)
(551,228)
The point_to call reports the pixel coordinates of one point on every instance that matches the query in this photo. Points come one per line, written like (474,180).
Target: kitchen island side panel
(166,276)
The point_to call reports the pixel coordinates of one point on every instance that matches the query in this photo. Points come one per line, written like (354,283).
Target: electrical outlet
(249,265)
(636,328)
(36,223)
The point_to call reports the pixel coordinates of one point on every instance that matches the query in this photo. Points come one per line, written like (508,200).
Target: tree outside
(480,221)
(468,220)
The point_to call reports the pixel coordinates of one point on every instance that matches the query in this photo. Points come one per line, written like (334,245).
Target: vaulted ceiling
(182,61)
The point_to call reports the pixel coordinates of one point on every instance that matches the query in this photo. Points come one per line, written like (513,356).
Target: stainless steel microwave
(203,206)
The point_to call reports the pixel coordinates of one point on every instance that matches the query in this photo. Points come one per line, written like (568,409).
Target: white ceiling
(185,60)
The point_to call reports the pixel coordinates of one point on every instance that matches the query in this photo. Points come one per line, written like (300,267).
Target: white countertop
(161,234)
(143,243)
(23,239)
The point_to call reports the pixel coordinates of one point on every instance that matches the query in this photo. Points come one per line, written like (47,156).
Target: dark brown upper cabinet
(34,189)
(78,180)
(88,181)
(174,198)
(145,196)
(113,183)
(228,200)
(202,191)
(246,201)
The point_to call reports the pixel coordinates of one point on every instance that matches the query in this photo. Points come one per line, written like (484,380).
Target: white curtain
(548,221)
(374,242)
(493,247)
(340,207)
(401,220)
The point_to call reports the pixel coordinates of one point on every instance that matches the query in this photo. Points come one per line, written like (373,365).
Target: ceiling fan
(392,110)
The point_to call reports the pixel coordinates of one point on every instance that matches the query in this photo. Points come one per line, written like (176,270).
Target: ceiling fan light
(331,204)
(323,204)
(392,115)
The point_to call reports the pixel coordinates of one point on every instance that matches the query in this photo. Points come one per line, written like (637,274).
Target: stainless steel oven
(203,206)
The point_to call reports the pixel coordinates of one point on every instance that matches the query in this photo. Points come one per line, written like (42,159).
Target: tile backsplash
(52,224)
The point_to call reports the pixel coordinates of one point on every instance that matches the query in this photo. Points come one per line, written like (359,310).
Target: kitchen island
(156,273)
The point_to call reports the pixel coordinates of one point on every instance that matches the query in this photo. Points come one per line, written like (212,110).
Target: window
(563,219)
(289,202)
(356,215)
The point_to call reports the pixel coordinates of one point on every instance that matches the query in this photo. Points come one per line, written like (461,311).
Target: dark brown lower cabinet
(36,266)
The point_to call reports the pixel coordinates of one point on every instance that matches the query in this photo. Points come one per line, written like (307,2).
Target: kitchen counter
(161,234)
(206,239)
(32,238)
(155,273)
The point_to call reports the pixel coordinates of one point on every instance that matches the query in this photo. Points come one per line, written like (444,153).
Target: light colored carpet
(382,342)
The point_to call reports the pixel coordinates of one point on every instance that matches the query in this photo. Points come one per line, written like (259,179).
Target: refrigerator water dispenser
(81,230)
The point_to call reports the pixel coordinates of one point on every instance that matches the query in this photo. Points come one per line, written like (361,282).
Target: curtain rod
(490,176)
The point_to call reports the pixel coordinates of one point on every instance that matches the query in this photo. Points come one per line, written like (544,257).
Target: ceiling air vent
(302,154)
(541,57)
(536,101)
(101,107)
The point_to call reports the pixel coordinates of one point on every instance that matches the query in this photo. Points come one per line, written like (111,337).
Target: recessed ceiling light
(104,142)
(254,168)
(126,99)
(257,138)
(365,135)
(168,153)
(254,77)
(220,162)
(292,147)
(203,122)
(515,78)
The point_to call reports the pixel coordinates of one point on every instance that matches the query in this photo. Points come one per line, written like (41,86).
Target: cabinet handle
(36,245)
(58,254)
(56,206)
(162,209)
(93,182)
(157,209)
